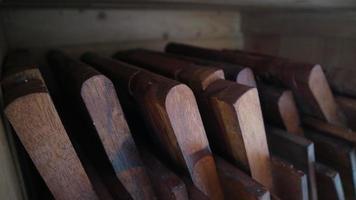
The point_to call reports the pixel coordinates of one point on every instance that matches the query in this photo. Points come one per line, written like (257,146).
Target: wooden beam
(348,106)
(338,154)
(279,108)
(230,111)
(296,150)
(329,183)
(289,182)
(330,129)
(96,95)
(237,184)
(163,102)
(166,184)
(307,81)
(32,114)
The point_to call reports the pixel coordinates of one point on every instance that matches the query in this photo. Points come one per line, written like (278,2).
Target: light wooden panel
(69,27)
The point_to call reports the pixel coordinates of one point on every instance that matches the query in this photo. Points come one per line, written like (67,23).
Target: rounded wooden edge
(246,77)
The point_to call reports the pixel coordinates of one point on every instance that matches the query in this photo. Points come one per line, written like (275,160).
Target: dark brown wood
(329,183)
(307,81)
(230,111)
(163,102)
(348,106)
(296,150)
(326,128)
(338,154)
(96,94)
(279,108)
(237,184)
(32,114)
(193,192)
(166,184)
(289,182)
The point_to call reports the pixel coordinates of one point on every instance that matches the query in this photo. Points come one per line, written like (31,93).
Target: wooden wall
(327,38)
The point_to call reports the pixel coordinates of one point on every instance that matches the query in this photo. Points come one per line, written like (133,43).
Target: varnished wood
(296,150)
(329,183)
(230,111)
(307,81)
(348,106)
(171,113)
(31,112)
(289,182)
(338,154)
(326,128)
(96,94)
(166,184)
(237,184)
(279,108)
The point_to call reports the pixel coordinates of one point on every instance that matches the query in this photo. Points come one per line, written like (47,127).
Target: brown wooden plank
(348,106)
(32,114)
(96,94)
(326,128)
(307,81)
(163,102)
(329,183)
(166,184)
(279,108)
(237,184)
(296,150)
(289,182)
(338,154)
(230,111)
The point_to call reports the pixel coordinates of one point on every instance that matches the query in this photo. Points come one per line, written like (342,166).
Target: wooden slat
(338,154)
(289,182)
(330,129)
(96,95)
(237,184)
(307,81)
(166,184)
(31,112)
(279,108)
(171,113)
(329,183)
(296,150)
(348,106)
(223,106)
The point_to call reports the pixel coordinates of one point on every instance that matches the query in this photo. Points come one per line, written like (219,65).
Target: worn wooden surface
(329,183)
(96,94)
(279,108)
(165,182)
(330,129)
(223,105)
(163,102)
(307,81)
(338,154)
(45,139)
(298,151)
(237,184)
(289,182)
(348,106)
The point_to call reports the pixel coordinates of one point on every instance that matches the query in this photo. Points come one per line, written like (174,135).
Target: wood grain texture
(329,183)
(289,182)
(348,106)
(279,108)
(166,183)
(31,112)
(307,81)
(338,154)
(237,184)
(326,128)
(231,112)
(97,94)
(296,150)
(171,114)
